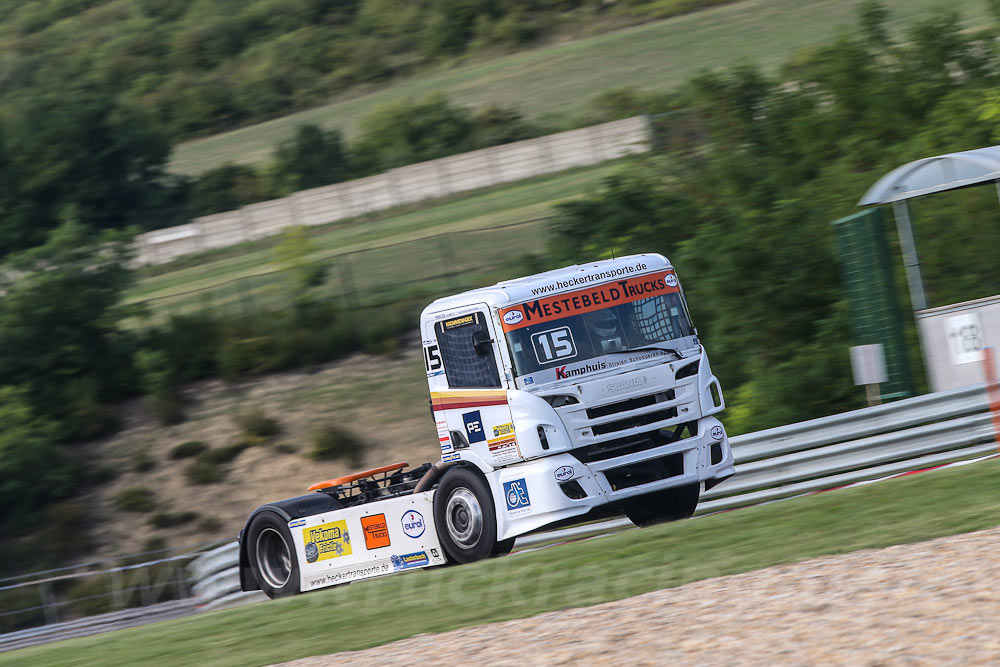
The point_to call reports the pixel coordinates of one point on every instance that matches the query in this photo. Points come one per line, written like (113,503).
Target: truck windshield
(578,338)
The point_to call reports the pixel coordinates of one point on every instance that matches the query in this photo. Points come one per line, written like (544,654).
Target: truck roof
(567,279)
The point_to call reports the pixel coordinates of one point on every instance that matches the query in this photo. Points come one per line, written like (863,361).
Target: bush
(226,454)
(258,424)
(101,475)
(333,441)
(186,450)
(203,472)
(171,519)
(135,499)
(143,462)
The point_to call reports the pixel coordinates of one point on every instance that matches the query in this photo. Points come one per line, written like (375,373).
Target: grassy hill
(554,83)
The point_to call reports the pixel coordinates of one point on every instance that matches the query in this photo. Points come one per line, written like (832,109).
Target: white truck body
(611,395)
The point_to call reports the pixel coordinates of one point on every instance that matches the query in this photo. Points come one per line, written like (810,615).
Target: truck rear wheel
(661,506)
(465,516)
(272,555)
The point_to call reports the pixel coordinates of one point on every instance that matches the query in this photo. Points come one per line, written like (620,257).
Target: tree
(59,322)
(311,158)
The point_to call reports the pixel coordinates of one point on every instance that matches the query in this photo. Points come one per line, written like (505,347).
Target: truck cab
(575,389)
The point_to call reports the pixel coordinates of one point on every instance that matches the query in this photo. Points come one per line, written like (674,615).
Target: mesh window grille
(462,366)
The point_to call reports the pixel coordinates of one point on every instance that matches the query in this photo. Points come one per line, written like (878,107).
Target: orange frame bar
(993,391)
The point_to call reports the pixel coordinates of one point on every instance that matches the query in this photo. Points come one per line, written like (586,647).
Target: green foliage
(292,254)
(142,461)
(311,158)
(209,524)
(159,380)
(32,470)
(227,188)
(186,450)
(135,499)
(336,442)
(219,455)
(58,321)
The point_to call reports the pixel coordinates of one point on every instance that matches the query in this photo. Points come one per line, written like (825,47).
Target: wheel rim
(464,517)
(274,557)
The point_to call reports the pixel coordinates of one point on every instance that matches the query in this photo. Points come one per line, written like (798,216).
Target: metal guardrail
(770,465)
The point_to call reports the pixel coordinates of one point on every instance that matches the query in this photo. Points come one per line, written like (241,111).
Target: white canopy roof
(935,174)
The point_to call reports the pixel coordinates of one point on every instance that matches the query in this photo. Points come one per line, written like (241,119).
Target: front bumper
(559,487)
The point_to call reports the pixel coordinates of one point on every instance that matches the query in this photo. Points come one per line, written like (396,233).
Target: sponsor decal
(467,398)
(296,523)
(515,493)
(504,450)
(326,541)
(454,456)
(588,300)
(513,317)
(474,426)
(350,573)
(459,322)
(407,561)
(564,372)
(376,531)
(670,280)
(413,524)
(503,429)
(717,433)
(563,473)
(529,380)
(434,553)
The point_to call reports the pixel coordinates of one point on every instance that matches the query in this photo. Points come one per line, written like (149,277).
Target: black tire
(465,517)
(271,552)
(661,506)
(503,548)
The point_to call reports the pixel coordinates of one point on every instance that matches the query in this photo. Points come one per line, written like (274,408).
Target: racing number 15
(553,344)
(432,358)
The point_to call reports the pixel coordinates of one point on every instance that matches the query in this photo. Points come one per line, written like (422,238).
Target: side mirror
(481,342)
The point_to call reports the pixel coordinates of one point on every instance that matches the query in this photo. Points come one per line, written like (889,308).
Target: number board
(553,345)
(964,336)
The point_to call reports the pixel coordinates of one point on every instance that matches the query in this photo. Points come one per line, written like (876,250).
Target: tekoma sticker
(515,494)
(326,541)
(513,317)
(717,433)
(413,524)
(503,429)
(562,473)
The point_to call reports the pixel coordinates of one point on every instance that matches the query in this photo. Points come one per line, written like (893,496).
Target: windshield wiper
(663,347)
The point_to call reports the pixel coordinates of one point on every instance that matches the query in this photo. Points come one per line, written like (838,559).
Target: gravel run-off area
(935,602)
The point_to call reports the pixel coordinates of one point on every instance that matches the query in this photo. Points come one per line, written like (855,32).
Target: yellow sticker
(503,429)
(326,541)
(459,322)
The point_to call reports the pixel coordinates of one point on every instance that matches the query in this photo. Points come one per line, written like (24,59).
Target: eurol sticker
(513,317)
(670,280)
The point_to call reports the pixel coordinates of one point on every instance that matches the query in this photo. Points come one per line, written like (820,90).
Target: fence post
(48,604)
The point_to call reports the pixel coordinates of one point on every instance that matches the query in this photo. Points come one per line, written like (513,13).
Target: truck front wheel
(465,516)
(660,506)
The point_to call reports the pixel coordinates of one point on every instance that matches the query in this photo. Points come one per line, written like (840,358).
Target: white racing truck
(568,394)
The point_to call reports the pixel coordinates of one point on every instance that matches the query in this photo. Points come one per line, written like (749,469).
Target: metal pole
(910,260)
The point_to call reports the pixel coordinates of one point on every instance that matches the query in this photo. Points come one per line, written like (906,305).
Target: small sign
(868,364)
(964,337)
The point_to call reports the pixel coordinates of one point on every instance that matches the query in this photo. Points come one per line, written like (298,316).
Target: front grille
(602,451)
(630,404)
(645,472)
(632,422)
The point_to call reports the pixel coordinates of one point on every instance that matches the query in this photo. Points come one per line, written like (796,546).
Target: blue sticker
(406,561)
(474,426)
(529,380)
(515,493)
(454,456)
(296,523)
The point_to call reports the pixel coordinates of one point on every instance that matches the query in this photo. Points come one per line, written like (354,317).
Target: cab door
(469,398)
